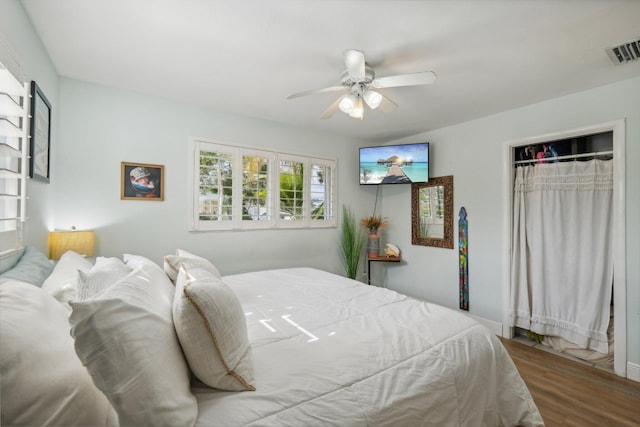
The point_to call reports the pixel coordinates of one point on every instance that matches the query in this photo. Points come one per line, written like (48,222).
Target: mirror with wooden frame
(432,213)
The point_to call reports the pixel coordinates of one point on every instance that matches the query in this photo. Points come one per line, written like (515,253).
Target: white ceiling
(245,57)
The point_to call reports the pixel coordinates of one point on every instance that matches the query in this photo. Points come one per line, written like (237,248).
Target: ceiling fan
(359,83)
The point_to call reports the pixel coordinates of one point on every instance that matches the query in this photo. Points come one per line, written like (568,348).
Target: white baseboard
(494,327)
(633,371)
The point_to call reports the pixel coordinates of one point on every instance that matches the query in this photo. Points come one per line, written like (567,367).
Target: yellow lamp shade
(81,242)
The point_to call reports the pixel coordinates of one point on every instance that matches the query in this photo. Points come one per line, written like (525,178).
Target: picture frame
(141,181)
(40,135)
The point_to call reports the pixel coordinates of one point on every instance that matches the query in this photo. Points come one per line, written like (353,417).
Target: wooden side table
(380,258)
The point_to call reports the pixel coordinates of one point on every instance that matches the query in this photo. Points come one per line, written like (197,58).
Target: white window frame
(195,224)
(196,145)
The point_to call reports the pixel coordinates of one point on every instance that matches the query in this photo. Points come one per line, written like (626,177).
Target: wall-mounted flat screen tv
(394,164)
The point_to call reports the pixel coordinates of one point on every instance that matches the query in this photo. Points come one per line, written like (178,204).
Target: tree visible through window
(291,190)
(255,181)
(215,178)
(321,202)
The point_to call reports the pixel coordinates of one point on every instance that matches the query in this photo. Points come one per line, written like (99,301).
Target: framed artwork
(40,133)
(141,181)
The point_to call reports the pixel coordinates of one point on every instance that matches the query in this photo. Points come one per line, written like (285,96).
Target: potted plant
(373,224)
(351,243)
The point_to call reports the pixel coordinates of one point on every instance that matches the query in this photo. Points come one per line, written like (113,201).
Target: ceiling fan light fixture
(347,103)
(358,109)
(372,98)
(359,85)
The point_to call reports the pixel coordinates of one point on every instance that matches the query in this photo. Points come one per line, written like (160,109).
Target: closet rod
(568,156)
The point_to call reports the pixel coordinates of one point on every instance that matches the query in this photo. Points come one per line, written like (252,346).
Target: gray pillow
(10,261)
(33,267)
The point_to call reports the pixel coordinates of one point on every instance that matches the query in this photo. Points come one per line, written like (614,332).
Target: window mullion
(275,194)
(306,193)
(236,198)
(194,194)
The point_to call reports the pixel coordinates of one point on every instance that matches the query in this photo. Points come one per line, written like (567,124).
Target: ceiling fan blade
(354,61)
(331,110)
(316,91)
(387,105)
(423,78)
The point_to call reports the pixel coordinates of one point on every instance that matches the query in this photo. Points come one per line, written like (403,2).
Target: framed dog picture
(141,181)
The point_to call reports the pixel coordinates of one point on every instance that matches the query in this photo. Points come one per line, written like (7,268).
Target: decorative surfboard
(464,266)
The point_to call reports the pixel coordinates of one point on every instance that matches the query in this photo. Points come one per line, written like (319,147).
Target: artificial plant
(352,241)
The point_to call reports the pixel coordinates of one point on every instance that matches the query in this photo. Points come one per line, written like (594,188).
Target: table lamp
(81,242)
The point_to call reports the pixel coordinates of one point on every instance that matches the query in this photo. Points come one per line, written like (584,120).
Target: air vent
(626,52)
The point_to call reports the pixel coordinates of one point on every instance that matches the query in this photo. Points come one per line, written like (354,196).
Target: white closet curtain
(562,262)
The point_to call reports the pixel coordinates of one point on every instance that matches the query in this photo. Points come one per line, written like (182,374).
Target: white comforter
(331,351)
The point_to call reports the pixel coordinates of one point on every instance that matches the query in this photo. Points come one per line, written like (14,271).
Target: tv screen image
(394,164)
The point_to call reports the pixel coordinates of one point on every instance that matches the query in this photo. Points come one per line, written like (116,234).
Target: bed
(285,347)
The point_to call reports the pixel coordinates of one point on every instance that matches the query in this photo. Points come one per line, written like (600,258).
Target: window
(240,188)
(215,186)
(321,198)
(256,204)
(14,150)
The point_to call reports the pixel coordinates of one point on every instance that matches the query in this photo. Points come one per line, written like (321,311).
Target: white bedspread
(331,351)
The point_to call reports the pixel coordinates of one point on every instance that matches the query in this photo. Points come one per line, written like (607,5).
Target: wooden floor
(569,393)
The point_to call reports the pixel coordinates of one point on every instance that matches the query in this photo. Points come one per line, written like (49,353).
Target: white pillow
(212,329)
(125,337)
(172,264)
(135,261)
(43,381)
(62,282)
(103,274)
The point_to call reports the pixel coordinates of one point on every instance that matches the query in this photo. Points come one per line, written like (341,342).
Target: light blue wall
(473,153)
(95,128)
(101,127)
(26,49)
